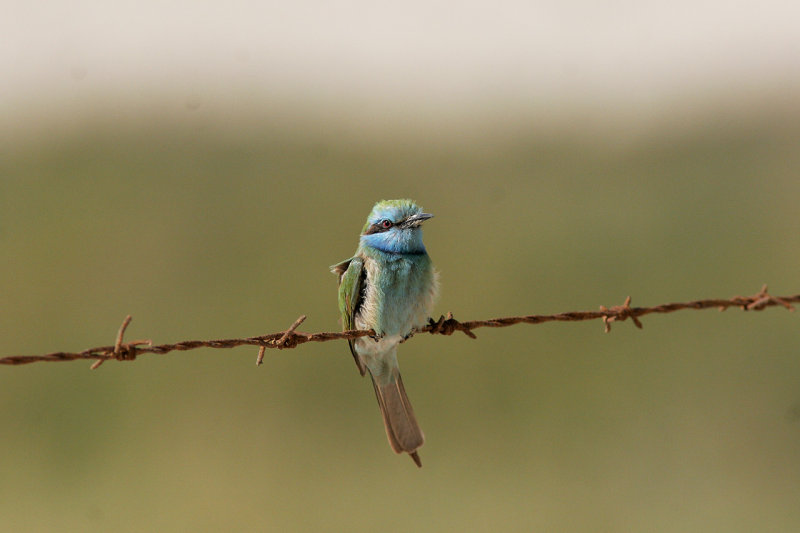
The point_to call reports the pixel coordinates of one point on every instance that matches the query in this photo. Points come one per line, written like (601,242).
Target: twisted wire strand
(446,325)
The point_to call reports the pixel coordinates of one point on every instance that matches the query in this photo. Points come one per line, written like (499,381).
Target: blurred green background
(200,166)
(689,424)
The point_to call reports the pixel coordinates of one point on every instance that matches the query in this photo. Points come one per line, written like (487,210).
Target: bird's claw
(376,337)
(408,335)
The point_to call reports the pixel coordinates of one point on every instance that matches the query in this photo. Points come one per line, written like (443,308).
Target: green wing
(351,283)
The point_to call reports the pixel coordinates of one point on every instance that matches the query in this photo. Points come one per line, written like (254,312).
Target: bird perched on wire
(389,286)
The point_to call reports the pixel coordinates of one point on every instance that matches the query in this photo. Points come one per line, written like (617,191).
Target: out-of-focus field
(691,424)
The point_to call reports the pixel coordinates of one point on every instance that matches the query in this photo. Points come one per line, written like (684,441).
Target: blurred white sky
(399,54)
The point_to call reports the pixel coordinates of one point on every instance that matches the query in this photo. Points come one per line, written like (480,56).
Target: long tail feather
(401,425)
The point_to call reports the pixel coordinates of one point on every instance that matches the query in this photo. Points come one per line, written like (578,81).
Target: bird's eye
(386,223)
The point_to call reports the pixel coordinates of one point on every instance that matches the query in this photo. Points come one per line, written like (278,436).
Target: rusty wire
(446,325)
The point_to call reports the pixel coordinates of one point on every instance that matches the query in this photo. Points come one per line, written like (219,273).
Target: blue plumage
(389,286)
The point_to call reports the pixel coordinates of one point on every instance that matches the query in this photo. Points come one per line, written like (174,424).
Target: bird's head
(394,226)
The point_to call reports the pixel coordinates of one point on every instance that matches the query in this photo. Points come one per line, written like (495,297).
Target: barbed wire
(446,325)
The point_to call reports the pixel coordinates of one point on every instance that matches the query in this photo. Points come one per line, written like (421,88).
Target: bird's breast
(399,294)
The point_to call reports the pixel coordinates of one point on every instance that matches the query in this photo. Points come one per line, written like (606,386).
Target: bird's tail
(401,425)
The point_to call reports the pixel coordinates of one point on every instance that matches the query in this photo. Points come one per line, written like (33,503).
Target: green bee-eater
(389,286)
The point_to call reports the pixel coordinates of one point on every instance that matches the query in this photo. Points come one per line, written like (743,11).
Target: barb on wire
(446,325)
(123,352)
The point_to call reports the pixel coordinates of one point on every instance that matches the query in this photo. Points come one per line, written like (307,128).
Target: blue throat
(396,241)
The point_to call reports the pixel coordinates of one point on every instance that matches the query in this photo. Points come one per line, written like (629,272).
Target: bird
(389,286)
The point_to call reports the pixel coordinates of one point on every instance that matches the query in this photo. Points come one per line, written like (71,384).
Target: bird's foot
(377,337)
(408,335)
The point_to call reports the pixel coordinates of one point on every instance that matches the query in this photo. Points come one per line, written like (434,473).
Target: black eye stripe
(377,228)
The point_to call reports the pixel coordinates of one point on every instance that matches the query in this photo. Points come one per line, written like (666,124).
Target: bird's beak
(415,220)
